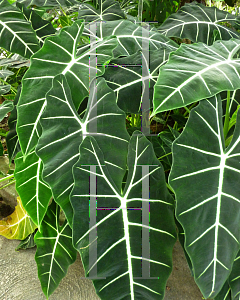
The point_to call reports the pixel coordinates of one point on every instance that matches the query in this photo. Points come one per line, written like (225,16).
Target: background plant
(65,129)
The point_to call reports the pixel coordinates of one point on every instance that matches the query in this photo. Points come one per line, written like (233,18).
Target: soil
(5,209)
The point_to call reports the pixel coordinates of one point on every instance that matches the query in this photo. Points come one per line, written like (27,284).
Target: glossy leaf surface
(129,79)
(34,192)
(200,23)
(119,221)
(55,251)
(59,55)
(205,179)
(130,37)
(16,34)
(64,130)
(108,10)
(195,72)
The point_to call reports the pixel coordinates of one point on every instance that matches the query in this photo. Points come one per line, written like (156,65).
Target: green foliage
(130,135)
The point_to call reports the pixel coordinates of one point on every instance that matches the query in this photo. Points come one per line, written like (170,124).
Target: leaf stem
(187,110)
(7,184)
(7,177)
(169,187)
(140,10)
(12,88)
(226,120)
(164,155)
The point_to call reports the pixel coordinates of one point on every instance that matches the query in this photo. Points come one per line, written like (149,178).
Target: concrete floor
(19,280)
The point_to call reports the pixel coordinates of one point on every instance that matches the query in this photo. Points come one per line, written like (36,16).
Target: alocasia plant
(72,149)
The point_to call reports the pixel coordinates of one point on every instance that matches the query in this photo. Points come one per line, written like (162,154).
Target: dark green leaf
(64,130)
(16,34)
(34,192)
(27,243)
(205,179)
(48,3)
(119,226)
(195,72)
(59,55)
(42,28)
(55,251)
(109,10)
(197,22)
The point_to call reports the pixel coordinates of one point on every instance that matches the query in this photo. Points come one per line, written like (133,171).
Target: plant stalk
(12,88)
(7,177)
(140,10)
(1,188)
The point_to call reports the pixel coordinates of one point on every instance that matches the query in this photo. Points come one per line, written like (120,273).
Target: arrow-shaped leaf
(198,22)
(64,130)
(119,222)
(196,72)
(130,37)
(108,10)
(55,251)
(16,34)
(42,27)
(57,56)
(205,177)
(128,80)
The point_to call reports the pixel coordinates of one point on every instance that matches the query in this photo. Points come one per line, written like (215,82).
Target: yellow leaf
(18,225)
